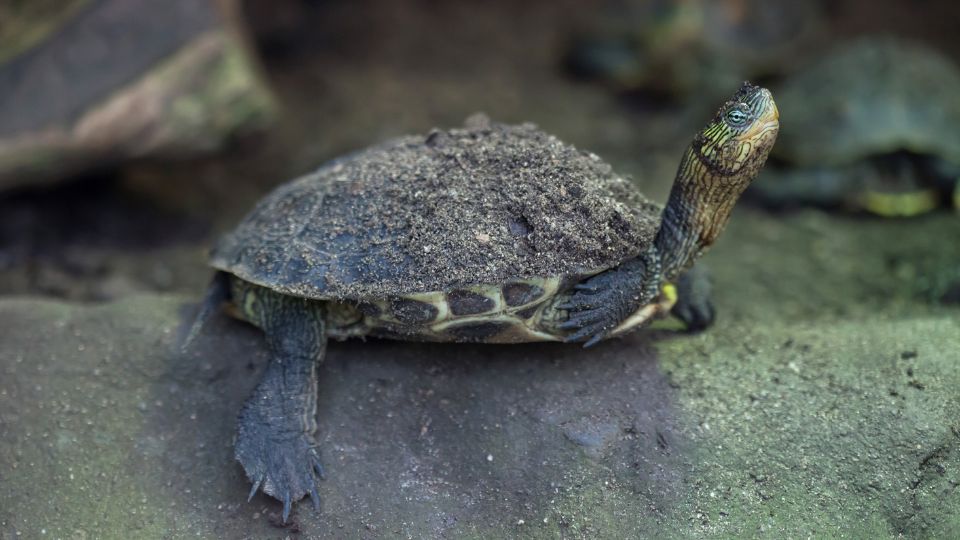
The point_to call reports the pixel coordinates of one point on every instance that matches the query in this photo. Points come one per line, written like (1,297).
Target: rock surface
(109,81)
(820,429)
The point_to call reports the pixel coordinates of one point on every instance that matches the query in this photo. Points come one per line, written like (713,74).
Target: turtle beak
(772,113)
(769,119)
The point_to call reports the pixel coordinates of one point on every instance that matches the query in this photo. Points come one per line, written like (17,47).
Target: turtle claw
(581,302)
(583,335)
(279,458)
(318,468)
(593,341)
(568,325)
(591,325)
(254,488)
(315,498)
(287,504)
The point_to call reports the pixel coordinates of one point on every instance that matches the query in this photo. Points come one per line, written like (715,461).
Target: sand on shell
(474,205)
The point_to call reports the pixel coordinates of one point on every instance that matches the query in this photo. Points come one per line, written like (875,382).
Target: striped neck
(697,211)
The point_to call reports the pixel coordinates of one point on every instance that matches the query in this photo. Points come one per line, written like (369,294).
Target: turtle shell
(875,95)
(484,204)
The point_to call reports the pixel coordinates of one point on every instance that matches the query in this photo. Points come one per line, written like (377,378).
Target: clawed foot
(694,306)
(283,462)
(697,314)
(592,313)
(602,302)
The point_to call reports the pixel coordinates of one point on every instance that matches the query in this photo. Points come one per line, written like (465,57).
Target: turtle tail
(217,293)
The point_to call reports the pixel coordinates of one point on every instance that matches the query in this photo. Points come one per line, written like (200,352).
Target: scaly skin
(275,427)
(717,167)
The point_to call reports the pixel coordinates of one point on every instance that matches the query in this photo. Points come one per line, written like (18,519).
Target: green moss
(230,95)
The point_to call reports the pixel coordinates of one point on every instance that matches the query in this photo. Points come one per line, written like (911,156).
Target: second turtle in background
(873,127)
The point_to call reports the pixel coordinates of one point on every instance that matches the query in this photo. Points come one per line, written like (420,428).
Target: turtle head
(724,157)
(732,148)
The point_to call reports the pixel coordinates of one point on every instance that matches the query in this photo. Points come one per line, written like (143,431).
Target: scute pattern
(410,311)
(518,293)
(433,317)
(483,204)
(465,302)
(478,331)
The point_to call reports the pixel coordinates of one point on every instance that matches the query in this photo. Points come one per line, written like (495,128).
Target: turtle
(488,233)
(874,129)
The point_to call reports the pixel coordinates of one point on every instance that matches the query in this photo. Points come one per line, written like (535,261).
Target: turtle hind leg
(694,306)
(276,425)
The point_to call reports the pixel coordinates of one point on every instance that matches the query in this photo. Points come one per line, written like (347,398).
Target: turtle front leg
(275,428)
(694,306)
(601,303)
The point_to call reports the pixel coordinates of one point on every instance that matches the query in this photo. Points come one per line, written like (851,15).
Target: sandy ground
(817,428)
(823,402)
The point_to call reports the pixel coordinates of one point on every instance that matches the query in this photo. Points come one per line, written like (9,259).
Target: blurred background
(131,134)
(134,132)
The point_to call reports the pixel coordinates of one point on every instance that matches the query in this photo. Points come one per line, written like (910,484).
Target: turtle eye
(736,117)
